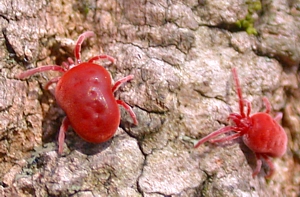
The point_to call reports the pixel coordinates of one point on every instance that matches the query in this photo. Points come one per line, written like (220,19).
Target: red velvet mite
(86,94)
(260,132)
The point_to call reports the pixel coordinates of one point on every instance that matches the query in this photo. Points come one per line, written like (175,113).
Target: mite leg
(258,165)
(39,69)
(234,117)
(224,139)
(248,107)
(101,57)
(215,134)
(121,81)
(129,110)
(62,132)
(79,42)
(50,82)
(271,166)
(278,117)
(239,91)
(267,104)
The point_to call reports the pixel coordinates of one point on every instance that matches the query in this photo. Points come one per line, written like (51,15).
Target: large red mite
(260,132)
(85,93)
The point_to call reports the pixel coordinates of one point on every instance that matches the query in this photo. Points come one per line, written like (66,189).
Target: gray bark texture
(181,53)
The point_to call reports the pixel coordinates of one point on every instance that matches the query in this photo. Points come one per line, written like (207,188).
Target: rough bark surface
(181,53)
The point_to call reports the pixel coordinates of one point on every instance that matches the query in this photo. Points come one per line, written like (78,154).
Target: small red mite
(85,93)
(260,132)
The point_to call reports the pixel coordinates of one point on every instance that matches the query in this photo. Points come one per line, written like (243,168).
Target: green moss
(83,7)
(247,23)
(251,30)
(254,6)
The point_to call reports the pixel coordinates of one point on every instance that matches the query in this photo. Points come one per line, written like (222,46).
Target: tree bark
(181,54)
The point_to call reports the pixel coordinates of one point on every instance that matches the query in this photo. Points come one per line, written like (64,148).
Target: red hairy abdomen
(266,136)
(85,94)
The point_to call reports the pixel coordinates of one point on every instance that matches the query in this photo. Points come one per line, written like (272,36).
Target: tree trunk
(181,54)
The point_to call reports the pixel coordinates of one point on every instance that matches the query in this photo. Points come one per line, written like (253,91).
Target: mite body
(85,93)
(260,132)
